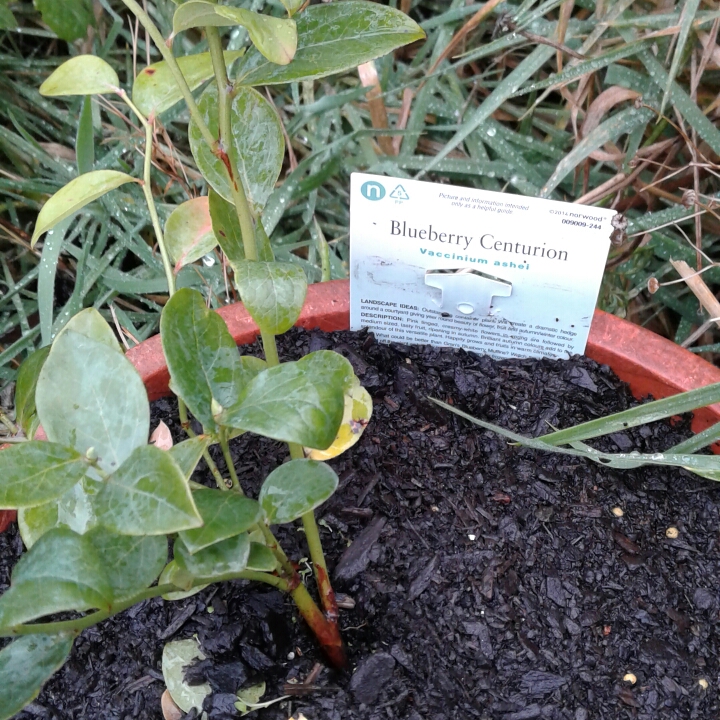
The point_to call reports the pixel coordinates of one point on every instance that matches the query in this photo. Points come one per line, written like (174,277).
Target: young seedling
(96,502)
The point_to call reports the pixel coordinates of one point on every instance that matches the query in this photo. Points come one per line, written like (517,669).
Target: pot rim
(650,364)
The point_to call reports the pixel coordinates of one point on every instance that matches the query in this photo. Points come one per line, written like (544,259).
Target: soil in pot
(489,582)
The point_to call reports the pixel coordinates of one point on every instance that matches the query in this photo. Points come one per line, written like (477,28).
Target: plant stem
(229,461)
(94,618)
(224,86)
(278,552)
(8,423)
(172,64)
(327,594)
(325,630)
(147,191)
(185,422)
(312,535)
(270,348)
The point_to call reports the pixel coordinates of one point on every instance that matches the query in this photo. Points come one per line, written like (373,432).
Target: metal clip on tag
(467,291)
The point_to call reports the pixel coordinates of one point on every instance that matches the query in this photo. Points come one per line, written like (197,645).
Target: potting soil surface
(489,581)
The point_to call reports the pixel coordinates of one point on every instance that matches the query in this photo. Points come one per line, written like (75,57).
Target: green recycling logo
(399,193)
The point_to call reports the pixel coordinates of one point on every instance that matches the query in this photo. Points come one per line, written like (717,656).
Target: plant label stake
(499,274)
(467,291)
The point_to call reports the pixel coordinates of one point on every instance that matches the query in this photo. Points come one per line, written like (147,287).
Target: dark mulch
(489,582)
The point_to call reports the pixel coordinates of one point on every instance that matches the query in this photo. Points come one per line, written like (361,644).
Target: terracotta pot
(650,364)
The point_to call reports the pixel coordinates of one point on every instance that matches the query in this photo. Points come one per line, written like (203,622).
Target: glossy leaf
(176,657)
(27,378)
(261,558)
(225,514)
(300,402)
(356,416)
(35,472)
(332,38)
(155,89)
(175,575)
(34,522)
(188,232)
(75,196)
(91,324)
(187,454)
(292,6)
(61,572)
(75,507)
(228,556)
(227,231)
(147,495)
(25,665)
(272,292)
(275,38)
(202,356)
(90,396)
(296,488)
(81,75)
(257,149)
(68,19)
(134,562)
(226,227)
(262,243)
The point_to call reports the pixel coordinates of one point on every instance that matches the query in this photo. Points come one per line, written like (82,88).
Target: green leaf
(155,90)
(257,149)
(7,19)
(332,38)
(647,413)
(135,561)
(225,514)
(34,522)
(202,357)
(175,575)
(75,507)
(261,558)
(689,9)
(188,232)
(35,472)
(176,657)
(262,243)
(85,138)
(91,324)
(274,37)
(226,227)
(75,196)
(147,495)
(272,292)
(68,19)
(228,556)
(90,396)
(61,572)
(292,6)
(27,378)
(611,129)
(296,488)
(26,664)
(81,75)
(300,402)
(356,416)
(187,454)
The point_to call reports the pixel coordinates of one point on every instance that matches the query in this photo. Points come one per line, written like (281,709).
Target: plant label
(498,274)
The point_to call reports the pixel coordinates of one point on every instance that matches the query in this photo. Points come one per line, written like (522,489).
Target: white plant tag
(499,274)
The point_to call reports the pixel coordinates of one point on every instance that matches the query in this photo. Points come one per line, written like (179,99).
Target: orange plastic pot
(650,364)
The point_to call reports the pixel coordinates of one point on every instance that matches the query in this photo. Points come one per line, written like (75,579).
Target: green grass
(491,111)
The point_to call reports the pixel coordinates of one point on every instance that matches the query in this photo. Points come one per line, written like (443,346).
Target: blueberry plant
(96,501)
